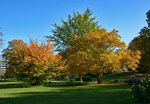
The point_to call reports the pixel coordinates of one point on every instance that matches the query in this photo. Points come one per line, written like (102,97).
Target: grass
(89,94)
(122,77)
(106,93)
(5,85)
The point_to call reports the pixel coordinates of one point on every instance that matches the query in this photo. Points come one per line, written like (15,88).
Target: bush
(71,80)
(52,84)
(8,80)
(141,92)
(76,83)
(116,80)
(77,79)
(134,80)
(87,79)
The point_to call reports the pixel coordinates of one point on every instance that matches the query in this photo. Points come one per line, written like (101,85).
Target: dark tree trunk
(81,80)
(99,78)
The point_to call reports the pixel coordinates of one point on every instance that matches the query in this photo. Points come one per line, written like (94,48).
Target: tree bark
(81,80)
(99,78)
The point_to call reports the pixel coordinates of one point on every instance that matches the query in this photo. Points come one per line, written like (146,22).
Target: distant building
(3,65)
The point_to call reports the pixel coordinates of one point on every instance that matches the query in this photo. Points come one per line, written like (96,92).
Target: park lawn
(107,93)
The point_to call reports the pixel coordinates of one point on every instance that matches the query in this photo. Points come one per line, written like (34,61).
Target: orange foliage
(33,62)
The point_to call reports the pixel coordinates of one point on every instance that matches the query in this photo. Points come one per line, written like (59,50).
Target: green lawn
(89,94)
(5,85)
(122,77)
(106,93)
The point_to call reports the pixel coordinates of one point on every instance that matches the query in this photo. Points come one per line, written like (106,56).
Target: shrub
(126,81)
(116,80)
(87,79)
(141,92)
(71,80)
(76,83)
(77,79)
(52,84)
(134,80)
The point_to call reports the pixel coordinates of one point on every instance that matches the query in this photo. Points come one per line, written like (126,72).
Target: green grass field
(106,93)
(89,94)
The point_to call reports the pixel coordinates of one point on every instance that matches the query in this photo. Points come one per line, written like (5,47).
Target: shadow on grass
(12,85)
(5,85)
(113,94)
(7,80)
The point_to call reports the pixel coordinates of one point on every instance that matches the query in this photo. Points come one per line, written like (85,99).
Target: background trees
(87,48)
(33,62)
(142,43)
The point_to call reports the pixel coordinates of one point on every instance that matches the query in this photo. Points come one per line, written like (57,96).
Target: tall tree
(33,62)
(142,43)
(75,26)
(78,24)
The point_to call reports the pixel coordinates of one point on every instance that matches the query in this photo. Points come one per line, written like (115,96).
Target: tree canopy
(85,47)
(98,52)
(78,24)
(33,62)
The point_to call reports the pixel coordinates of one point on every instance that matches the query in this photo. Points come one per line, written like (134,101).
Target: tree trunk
(81,80)
(99,78)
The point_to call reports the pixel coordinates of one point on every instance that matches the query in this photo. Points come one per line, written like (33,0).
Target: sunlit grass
(122,77)
(106,93)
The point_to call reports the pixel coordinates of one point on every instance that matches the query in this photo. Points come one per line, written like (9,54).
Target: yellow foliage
(99,52)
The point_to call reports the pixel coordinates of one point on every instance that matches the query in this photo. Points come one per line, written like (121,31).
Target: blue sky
(25,19)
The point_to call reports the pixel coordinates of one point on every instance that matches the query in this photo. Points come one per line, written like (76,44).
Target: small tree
(33,62)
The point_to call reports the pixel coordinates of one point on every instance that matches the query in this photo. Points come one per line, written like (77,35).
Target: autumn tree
(101,51)
(33,62)
(78,24)
(142,43)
